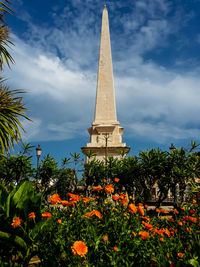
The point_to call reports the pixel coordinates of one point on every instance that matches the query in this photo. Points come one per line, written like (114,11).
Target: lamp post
(172,148)
(38,154)
(106,136)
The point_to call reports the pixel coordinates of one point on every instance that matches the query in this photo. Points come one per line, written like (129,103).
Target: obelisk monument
(106,132)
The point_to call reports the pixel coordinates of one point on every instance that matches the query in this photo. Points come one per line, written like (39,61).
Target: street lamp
(38,154)
(106,136)
(172,148)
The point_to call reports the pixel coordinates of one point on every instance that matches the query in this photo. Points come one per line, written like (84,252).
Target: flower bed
(108,229)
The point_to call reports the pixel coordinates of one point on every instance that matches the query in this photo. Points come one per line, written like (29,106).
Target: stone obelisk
(105,133)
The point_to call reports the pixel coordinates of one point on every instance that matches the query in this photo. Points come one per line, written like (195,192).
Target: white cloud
(159,133)
(32,129)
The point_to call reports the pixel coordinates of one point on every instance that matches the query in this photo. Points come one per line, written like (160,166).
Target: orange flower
(59,221)
(146,219)
(163,211)
(190,219)
(54,199)
(46,215)
(171,231)
(167,232)
(124,201)
(132,208)
(175,211)
(116,198)
(147,225)
(194,201)
(180,223)
(104,180)
(158,210)
(140,211)
(192,211)
(65,203)
(122,198)
(31,216)
(115,248)
(134,234)
(146,206)
(94,212)
(153,262)
(172,220)
(188,229)
(162,239)
(16,222)
(166,212)
(89,214)
(74,198)
(97,188)
(109,189)
(97,213)
(159,232)
(79,248)
(168,256)
(104,238)
(144,235)
(85,200)
(180,255)
(116,180)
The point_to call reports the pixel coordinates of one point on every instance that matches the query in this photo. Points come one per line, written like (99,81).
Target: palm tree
(11,107)
(11,111)
(4,35)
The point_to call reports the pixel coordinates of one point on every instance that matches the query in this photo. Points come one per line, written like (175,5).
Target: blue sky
(156,56)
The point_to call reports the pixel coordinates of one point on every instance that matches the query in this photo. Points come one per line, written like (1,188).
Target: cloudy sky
(156,56)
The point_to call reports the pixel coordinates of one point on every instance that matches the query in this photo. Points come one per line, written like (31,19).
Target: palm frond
(12,110)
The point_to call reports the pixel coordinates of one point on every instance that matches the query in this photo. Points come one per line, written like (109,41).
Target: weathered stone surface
(106,132)
(105,110)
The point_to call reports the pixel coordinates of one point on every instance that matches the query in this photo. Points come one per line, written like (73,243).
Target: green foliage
(94,172)
(15,168)
(47,173)
(19,202)
(64,182)
(154,168)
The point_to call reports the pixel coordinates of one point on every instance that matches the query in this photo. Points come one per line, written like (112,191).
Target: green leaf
(40,228)
(194,262)
(8,202)
(17,241)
